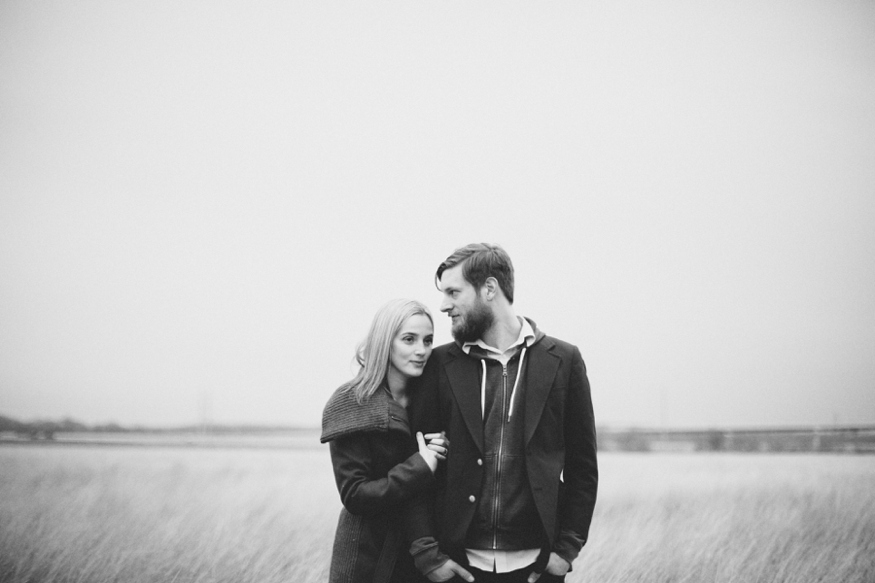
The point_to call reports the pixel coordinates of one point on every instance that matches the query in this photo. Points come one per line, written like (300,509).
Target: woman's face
(411,347)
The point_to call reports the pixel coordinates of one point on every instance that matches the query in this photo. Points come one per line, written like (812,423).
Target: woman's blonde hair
(374,351)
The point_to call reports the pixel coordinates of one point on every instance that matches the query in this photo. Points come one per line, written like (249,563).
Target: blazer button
(471,498)
(479,462)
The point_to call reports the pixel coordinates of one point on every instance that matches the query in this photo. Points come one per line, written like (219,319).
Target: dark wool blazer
(560,447)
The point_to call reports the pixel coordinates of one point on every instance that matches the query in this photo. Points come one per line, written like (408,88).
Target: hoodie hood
(478,352)
(538,334)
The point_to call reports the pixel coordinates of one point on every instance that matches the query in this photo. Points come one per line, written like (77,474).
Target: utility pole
(205,406)
(663,408)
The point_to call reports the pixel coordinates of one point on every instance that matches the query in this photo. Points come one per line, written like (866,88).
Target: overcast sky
(202,204)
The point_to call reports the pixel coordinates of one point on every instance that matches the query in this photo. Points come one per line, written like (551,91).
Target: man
(517,497)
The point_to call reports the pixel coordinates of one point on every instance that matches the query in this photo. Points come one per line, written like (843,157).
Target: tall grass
(103,514)
(733,518)
(158,515)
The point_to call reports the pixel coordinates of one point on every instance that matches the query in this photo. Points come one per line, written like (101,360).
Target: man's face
(463,303)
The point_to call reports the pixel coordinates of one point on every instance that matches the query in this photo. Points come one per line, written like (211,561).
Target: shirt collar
(526,337)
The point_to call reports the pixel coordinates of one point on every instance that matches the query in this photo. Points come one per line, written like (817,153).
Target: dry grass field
(162,514)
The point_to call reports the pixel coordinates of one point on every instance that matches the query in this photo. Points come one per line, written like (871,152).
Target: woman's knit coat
(378,469)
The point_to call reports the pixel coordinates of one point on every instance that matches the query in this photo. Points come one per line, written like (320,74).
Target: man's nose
(445,305)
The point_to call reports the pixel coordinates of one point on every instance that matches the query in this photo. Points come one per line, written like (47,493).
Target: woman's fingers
(438,439)
(439,444)
(430,456)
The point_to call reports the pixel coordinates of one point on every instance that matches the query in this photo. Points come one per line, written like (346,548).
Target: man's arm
(418,518)
(577,494)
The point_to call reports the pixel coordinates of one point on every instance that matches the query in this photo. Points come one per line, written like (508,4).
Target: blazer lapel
(540,371)
(463,374)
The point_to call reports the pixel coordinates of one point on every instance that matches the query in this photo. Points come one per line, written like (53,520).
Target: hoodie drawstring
(483,391)
(516,382)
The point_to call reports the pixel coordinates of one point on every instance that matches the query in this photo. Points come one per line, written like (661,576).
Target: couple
(476,462)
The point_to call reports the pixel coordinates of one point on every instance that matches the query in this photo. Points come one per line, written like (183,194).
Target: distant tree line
(46,429)
(859,439)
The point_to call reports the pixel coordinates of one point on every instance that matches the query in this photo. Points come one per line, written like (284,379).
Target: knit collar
(344,415)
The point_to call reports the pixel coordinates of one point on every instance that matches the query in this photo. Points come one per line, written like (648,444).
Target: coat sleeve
(418,517)
(361,492)
(580,475)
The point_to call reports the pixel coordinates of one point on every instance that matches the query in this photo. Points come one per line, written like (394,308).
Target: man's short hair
(479,262)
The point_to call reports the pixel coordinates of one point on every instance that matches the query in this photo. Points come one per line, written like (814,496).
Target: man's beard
(475,323)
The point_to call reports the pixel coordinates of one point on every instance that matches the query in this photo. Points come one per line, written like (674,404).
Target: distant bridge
(859,439)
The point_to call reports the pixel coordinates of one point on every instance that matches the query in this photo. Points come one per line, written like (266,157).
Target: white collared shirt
(526,337)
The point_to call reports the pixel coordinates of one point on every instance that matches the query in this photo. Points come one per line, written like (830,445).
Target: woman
(378,465)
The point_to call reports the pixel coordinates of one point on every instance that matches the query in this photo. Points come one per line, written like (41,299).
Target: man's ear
(491,286)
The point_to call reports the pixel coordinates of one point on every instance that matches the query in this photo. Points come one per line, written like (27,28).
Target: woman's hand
(438,443)
(429,455)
